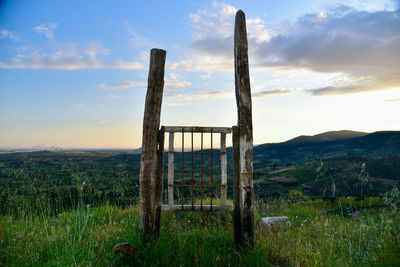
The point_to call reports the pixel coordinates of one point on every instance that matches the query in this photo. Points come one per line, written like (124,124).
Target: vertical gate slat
(224,174)
(171,156)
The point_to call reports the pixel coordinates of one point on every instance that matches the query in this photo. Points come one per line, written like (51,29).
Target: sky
(74,73)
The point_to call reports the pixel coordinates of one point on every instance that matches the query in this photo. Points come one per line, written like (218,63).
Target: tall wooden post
(244,197)
(159,179)
(151,124)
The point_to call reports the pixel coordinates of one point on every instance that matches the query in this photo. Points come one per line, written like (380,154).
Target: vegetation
(71,208)
(85,236)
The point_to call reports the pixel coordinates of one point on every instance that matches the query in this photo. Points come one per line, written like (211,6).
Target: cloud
(173,104)
(207,95)
(69,59)
(276,91)
(138,40)
(211,30)
(362,45)
(215,22)
(121,85)
(175,81)
(95,48)
(4,33)
(212,46)
(206,75)
(78,106)
(112,96)
(46,29)
(170,85)
(103,122)
(129,123)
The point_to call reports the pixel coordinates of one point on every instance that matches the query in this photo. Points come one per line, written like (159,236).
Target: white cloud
(206,95)
(46,29)
(206,75)
(95,48)
(69,59)
(137,39)
(174,104)
(113,96)
(103,122)
(121,85)
(129,123)
(175,81)
(276,91)
(171,85)
(212,48)
(363,44)
(4,33)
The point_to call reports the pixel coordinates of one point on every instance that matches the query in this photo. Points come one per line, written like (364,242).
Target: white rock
(274,221)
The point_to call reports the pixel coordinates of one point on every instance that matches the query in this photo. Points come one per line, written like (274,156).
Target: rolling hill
(329,144)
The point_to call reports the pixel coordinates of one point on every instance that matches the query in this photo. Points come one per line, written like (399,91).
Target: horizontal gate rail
(197,207)
(196,129)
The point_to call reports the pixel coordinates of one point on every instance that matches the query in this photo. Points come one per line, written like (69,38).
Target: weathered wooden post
(151,124)
(243,140)
(159,179)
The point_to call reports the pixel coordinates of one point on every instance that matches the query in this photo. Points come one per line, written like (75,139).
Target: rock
(274,221)
(125,252)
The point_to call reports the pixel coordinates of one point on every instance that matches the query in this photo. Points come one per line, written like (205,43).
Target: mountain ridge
(327,136)
(380,143)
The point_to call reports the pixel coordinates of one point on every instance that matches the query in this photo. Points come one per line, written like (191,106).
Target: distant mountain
(329,144)
(327,136)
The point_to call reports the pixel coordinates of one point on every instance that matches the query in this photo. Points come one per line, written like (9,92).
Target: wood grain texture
(245,130)
(197,129)
(159,179)
(151,123)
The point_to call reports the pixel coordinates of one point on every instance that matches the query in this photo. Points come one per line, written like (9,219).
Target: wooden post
(171,167)
(237,214)
(159,179)
(151,123)
(244,210)
(224,174)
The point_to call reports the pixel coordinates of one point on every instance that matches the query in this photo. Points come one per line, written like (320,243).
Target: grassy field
(61,209)
(320,235)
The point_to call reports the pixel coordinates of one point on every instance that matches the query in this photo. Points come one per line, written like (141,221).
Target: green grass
(85,236)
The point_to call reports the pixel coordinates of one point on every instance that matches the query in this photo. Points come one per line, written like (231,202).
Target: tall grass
(85,236)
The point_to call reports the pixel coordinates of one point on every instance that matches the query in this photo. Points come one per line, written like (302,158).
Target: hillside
(278,169)
(326,136)
(330,144)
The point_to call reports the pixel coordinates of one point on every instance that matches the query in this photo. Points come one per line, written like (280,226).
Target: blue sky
(73,73)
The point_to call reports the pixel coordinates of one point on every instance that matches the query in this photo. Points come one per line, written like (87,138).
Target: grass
(85,236)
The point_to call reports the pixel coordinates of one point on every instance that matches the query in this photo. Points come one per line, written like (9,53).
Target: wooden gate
(206,181)
(151,167)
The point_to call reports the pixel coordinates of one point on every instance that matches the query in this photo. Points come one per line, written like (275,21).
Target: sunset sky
(74,73)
